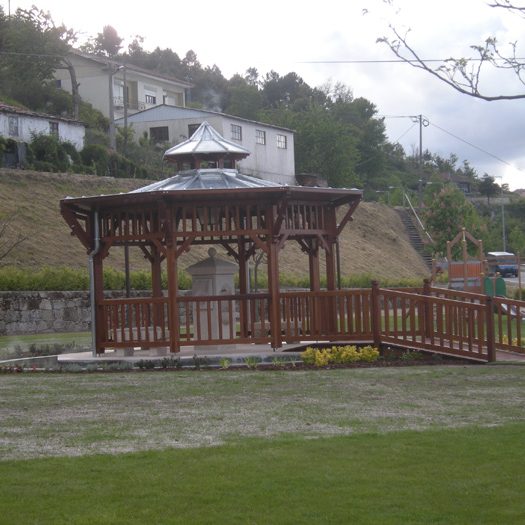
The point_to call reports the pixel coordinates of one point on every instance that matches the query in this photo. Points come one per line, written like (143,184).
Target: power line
(397,60)
(405,132)
(503,161)
(39,55)
(468,143)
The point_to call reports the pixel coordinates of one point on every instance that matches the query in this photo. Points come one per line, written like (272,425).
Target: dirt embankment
(374,243)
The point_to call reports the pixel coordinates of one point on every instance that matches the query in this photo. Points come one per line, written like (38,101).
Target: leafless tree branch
(7,243)
(463,74)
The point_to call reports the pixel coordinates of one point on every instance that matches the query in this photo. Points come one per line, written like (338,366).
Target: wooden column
(274,291)
(156,286)
(330,266)
(173,306)
(313,264)
(100,321)
(243,288)
(375,309)
(331,307)
(489,317)
(315,286)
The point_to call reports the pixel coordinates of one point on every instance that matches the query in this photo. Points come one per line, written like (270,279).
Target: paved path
(510,356)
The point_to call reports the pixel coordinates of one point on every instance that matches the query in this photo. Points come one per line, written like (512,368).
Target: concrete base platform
(188,355)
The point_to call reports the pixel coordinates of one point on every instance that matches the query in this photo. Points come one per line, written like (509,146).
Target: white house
(21,124)
(102,80)
(271,147)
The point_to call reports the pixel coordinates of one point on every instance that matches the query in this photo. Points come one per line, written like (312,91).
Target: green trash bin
(495,286)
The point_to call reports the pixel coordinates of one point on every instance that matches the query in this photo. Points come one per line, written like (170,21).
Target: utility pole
(423,122)
(112,137)
(125,111)
(503,234)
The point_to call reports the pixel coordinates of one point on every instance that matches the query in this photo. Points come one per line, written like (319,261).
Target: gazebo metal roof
(207,179)
(205,141)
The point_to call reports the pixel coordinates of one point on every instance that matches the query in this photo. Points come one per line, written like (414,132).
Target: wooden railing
(224,319)
(508,330)
(326,315)
(433,319)
(134,322)
(426,322)
(508,316)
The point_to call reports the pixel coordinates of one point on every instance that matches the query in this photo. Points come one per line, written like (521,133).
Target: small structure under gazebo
(217,207)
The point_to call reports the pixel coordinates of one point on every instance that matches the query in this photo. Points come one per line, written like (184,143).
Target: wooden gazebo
(217,206)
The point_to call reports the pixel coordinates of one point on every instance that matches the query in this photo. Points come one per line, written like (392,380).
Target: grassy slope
(374,243)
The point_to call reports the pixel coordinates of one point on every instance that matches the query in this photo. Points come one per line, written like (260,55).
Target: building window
(13,126)
(281,142)
(236,132)
(260,136)
(58,83)
(192,128)
(150,99)
(159,134)
(53,129)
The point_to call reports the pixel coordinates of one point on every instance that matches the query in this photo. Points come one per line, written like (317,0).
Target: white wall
(265,161)
(28,125)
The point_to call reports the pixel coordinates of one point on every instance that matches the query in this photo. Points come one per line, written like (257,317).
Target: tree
(243,98)
(32,48)
(488,187)
(465,74)
(107,44)
(447,213)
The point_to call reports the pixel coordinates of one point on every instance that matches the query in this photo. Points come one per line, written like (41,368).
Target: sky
(318,40)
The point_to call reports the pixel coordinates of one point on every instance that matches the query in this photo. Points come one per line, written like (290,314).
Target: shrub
(63,278)
(339,355)
(519,294)
(46,152)
(70,150)
(97,156)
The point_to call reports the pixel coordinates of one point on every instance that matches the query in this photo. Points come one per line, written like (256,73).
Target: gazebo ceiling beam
(230,250)
(281,212)
(259,243)
(184,246)
(347,217)
(76,228)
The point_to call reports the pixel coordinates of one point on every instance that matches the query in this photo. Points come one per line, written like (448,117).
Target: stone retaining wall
(24,313)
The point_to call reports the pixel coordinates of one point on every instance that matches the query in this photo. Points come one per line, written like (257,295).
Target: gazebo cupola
(205,149)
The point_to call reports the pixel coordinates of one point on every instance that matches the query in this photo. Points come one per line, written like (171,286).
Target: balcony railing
(135,105)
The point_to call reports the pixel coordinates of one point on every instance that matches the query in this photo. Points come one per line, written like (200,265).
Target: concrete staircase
(414,235)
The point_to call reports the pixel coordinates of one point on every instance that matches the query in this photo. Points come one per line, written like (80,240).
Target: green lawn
(13,345)
(430,444)
(472,475)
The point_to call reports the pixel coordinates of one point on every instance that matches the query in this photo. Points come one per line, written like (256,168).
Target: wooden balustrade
(135,322)
(326,315)
(446,321)
(508,316)
(436,324)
